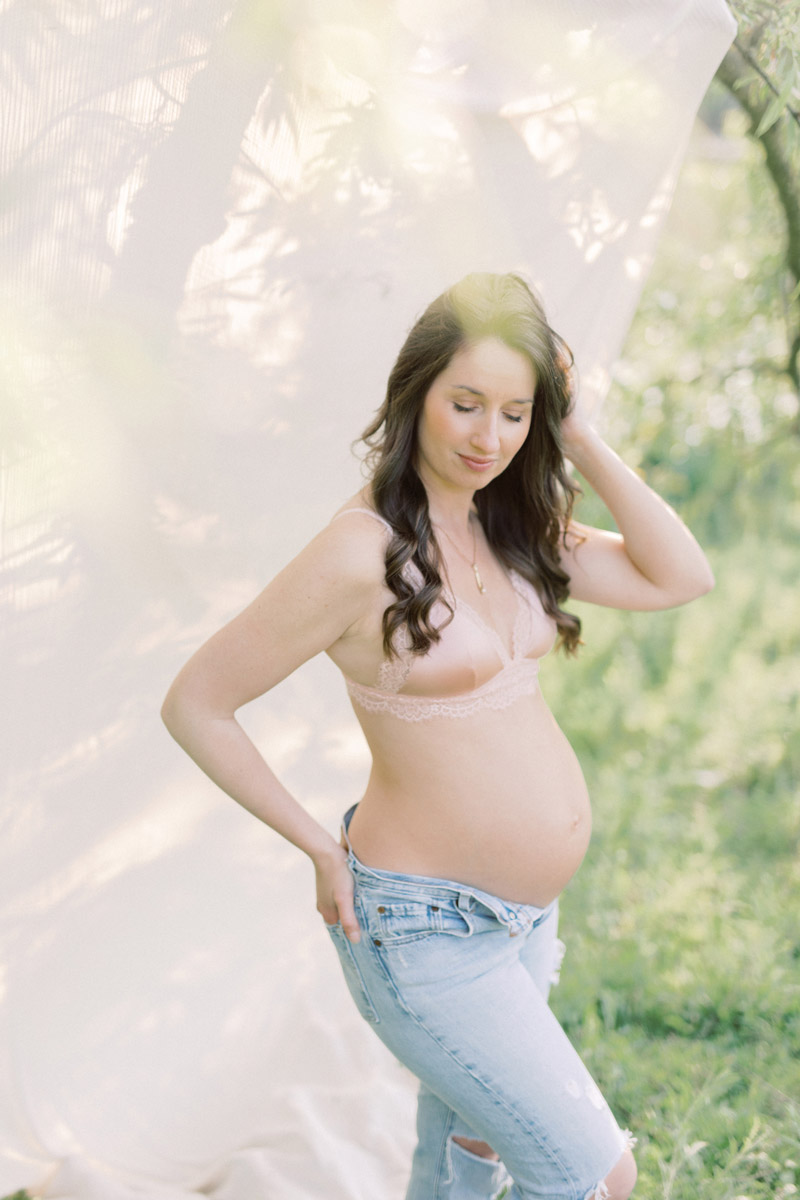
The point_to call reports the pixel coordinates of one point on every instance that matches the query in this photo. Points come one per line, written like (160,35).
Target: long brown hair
(524,511)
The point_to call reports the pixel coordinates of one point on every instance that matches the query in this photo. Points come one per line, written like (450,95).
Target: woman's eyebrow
(463,387)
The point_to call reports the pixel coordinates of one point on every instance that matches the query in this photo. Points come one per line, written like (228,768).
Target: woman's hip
(425,938)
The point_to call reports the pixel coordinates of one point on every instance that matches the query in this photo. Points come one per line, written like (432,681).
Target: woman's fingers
(335,895)
(343,896)
(348,919)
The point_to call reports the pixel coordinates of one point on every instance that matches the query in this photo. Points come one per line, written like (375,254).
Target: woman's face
(475,416)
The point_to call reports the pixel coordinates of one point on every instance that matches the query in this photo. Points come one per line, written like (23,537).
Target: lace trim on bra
(519,678)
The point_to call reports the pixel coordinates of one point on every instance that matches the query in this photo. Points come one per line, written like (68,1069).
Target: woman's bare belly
(496,800)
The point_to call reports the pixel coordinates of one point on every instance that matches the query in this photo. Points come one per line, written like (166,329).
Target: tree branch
(778,154)
(750,58)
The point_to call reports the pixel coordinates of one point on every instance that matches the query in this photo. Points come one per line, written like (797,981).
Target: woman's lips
(477,464)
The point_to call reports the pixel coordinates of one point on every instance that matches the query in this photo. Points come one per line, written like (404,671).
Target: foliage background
(682,981)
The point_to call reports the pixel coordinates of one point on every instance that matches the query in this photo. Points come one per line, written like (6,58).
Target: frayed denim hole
(474,1169)
(480,1163)
(600,1192)
(559,950)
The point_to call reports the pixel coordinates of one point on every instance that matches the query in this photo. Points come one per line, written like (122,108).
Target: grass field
(682,982)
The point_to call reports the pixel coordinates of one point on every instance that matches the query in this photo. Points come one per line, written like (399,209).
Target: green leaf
(745,79)
(773,113)
(786,67)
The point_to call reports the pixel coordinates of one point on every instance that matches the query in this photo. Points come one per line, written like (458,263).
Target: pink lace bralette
(469,668)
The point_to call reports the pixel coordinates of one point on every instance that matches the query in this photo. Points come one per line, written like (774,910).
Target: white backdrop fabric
(218,222)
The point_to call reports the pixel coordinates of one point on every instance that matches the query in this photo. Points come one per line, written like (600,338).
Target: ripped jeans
(455,981)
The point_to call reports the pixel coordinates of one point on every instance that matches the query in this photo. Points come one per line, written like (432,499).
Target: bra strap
(370,512)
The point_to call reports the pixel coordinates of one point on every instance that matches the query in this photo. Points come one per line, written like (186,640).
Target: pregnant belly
(499,803)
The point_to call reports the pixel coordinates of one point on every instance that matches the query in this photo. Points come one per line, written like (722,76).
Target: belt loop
(464,901)
(345,823)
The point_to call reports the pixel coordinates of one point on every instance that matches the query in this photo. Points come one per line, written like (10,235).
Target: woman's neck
(450,510)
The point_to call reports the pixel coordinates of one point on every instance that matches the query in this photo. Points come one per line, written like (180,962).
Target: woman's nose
(487,436)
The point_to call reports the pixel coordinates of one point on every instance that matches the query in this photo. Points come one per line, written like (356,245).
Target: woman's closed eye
(468,408)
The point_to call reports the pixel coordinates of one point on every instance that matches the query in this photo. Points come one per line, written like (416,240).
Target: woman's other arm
(315,601)
(654,561)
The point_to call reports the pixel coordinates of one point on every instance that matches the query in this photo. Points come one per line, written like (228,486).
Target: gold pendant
(478,579)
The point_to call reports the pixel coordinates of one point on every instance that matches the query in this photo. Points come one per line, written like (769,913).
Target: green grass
(681,986)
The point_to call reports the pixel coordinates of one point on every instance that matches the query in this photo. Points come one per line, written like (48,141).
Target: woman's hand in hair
(576,423)
(652,562)
(335,891)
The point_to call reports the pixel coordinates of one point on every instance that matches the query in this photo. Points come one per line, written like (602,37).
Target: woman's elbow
(700,584)
(180,708)
(193,704)
(706,581)
(688,586)
(171,709)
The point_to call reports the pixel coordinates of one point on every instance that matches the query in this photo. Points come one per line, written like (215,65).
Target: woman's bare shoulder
(358,518)
(361,505)
(356,538)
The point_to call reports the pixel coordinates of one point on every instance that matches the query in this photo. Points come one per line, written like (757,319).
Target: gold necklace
(474,564)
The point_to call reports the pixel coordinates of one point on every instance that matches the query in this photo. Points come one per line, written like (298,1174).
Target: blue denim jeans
(455,982)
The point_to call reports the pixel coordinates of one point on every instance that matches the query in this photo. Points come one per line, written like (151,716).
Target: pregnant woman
(436,591)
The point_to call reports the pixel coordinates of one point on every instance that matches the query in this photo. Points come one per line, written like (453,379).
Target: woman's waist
(522,844)
(406,888)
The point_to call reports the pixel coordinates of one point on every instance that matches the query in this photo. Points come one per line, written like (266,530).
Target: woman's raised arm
(654,561)
(311,604)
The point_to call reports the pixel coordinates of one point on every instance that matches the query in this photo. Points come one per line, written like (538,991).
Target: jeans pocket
(353,976)
(398,921)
